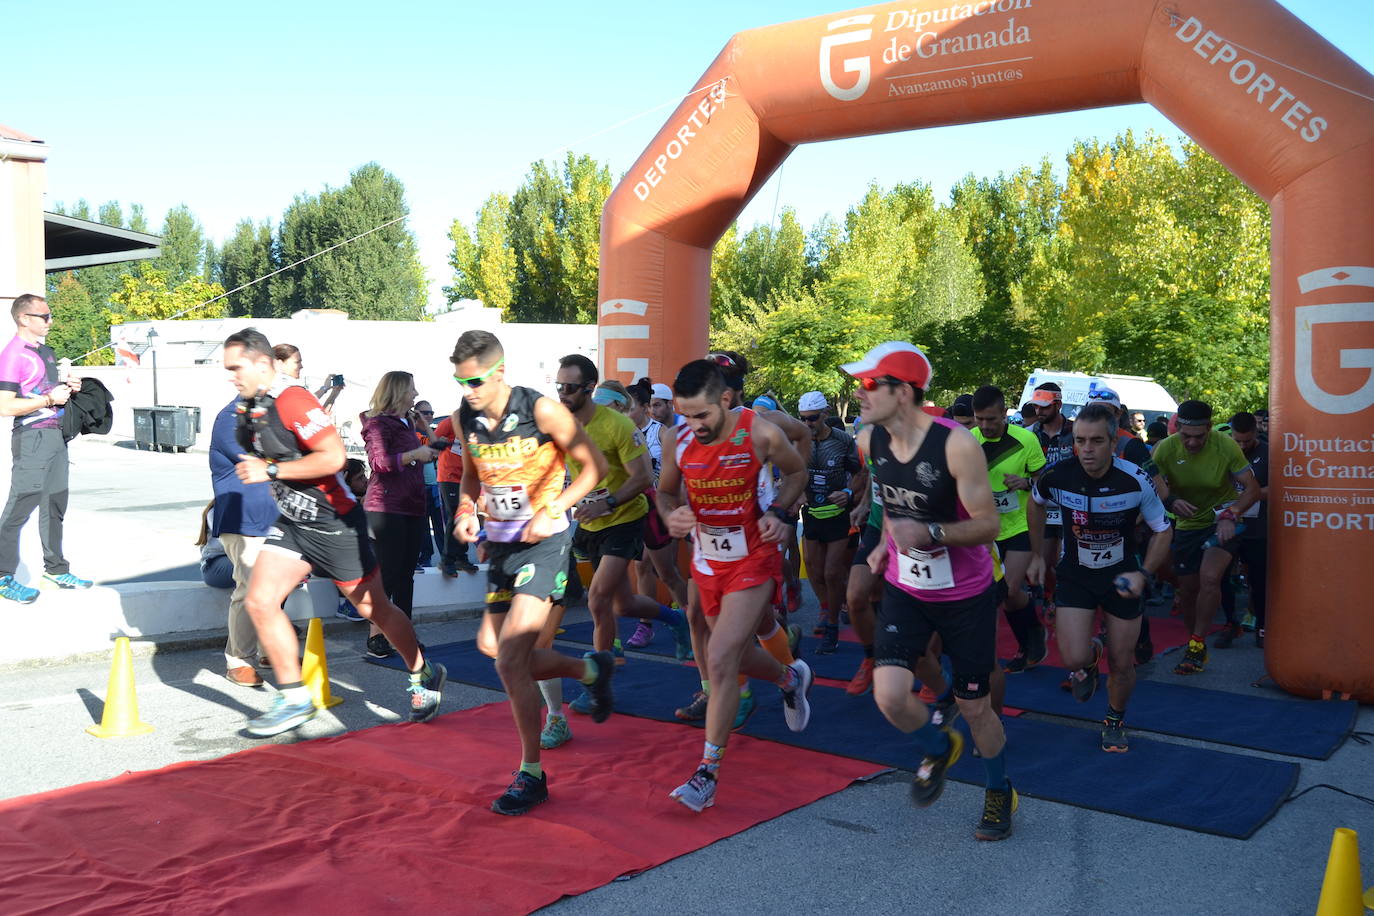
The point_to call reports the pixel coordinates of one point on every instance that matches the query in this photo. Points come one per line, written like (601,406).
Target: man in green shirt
(610,526)
(1014,459)
(1197,472)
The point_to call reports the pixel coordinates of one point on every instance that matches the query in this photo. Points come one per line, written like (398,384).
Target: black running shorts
(625,540)
(1188,550)
(338,548)
(539,569)
(967,628)
(870,536)
(825,530)
(1074,589)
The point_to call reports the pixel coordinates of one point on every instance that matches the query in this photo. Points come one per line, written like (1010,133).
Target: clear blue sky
(233,109)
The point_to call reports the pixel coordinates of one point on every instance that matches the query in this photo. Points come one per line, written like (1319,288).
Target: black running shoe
(378,647)
(1227,637)
(1035,646)
(929,781)
(524,793)
(998,807)
(1083,682)
(603,701)
(944,712)
(1114,737)
(830,642)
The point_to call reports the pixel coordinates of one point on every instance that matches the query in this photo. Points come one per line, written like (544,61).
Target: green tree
(79,323)
(484,261)
(149,297)
(183,247)
(765,263)
(246,257)
(376,276)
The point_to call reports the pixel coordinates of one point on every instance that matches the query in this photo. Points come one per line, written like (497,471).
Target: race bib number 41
(722,544)
(930,570)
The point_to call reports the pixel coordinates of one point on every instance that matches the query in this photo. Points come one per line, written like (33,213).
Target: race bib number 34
(1005,501)
(929,570)
(722,544)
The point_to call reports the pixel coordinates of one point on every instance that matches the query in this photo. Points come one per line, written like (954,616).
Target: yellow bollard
(1341,888)
(120,718)
(315,667)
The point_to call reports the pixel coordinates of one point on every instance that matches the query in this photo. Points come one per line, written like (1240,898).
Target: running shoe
(697,793)
(830,642)
(556,732)
(927,696)
(1227,637)
(695,710)
(862,681)
(66,580)
(844,616)
(796,703)
(1114,737)
(524,793)
(583,704)
(794,598)
(617,652)
(603,700)
(12,589)
(747,705)
(244,676)
(929,781)
(1195,659)
(426,694)
(448,569)
(467,566)
(1083,682)
(378,647)
(347,611)
(998,807)
(643,635)
(944,712)
(282,717)
(794,635)
(682,639)
(1248,621)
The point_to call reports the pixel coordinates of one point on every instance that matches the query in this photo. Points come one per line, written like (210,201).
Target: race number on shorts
(722,544)
(929,570)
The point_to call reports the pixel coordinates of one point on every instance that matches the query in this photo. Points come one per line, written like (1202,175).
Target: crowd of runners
(917,529)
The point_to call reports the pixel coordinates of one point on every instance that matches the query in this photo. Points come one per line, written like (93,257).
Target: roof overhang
(71,243)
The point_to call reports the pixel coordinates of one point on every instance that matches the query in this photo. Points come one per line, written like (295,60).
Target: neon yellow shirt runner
(615,434)
(1204,479)
(1017,452)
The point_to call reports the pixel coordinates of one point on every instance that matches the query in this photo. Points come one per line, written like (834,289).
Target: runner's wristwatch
(781,513)
(937,533)
(611,501)
(272,470)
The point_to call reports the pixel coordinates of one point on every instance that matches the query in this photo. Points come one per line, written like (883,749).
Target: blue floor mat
(1298,728)
(1192,788)
(839,666)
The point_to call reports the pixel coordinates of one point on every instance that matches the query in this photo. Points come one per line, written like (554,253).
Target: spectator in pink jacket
(395,500)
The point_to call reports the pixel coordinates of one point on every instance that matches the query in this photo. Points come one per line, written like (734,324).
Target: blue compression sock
(931,739)
(997,769)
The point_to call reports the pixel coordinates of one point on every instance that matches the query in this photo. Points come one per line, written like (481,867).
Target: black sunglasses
(46,316)
(809,417)
(570,387)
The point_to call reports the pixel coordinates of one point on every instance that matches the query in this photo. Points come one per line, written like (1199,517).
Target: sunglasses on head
(477,381)
(871,384)
(720,359)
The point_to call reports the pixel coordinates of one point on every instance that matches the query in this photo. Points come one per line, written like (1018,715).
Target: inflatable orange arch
(1277,104)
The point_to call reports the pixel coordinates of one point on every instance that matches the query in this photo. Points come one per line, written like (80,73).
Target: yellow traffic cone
(315,667)
(120,718)
(1341,888)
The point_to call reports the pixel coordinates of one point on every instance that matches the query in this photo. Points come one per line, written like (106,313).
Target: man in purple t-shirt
(30,392)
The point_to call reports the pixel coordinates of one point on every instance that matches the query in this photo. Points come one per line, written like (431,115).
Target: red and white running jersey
(722,482)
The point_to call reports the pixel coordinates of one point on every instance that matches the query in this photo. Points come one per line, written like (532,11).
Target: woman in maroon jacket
(395,500)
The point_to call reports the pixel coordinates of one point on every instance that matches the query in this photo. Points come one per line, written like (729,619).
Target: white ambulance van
(1137,392)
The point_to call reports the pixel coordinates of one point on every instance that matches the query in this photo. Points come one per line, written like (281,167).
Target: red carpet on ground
(391,818)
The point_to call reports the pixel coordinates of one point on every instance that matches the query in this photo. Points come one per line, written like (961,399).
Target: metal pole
(154,349)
